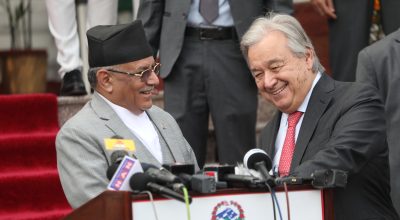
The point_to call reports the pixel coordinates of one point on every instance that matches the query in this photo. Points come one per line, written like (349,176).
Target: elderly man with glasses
(123,74)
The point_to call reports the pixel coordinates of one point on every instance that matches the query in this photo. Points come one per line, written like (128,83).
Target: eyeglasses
(143,74)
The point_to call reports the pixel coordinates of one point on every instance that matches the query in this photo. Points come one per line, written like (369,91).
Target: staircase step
(53,214)
(28,112)
(31,190)
(28,151)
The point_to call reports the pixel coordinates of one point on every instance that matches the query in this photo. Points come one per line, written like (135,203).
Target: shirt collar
(304,104)
(121,111)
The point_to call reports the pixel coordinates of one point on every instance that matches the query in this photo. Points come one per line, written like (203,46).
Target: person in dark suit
(349,28)
(379,66)
(340,125)
(204,71)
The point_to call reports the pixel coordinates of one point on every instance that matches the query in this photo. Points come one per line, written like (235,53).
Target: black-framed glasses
(143,74)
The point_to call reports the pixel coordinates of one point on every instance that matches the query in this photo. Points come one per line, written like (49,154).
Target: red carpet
(30,186)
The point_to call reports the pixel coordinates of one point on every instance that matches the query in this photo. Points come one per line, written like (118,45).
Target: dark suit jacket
(165,22)
(344,128)
(379,65)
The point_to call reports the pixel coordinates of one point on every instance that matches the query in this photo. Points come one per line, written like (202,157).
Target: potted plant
(22,69)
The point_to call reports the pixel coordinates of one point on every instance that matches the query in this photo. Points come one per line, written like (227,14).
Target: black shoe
(72,84)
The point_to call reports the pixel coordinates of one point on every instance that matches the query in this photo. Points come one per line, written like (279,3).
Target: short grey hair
(92,74)
(298,41)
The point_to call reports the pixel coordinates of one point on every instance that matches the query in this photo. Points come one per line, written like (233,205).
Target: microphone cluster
(328,178)
(170,179)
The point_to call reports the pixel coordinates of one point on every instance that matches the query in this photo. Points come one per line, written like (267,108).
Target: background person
(204,71)
(63,27)
(379,66)
(349,30)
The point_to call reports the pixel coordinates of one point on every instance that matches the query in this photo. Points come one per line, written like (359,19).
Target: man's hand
(325,7)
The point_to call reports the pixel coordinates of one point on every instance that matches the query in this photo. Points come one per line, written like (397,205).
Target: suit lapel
(397,35)
(270,136)
(319,100)
(168,136)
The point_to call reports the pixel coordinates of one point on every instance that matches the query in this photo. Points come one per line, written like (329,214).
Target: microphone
(331,178)
(199,182)
(320,179)
(116,158)
(247,180)
(143,181)
(292,180)
(196,182)
(127,167)
(226,173)
(160,175)
(178,168)
(259,160)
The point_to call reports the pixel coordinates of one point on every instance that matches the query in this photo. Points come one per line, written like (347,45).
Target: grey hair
(298,41)
(92,74)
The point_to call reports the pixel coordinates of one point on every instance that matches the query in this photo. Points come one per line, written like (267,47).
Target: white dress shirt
(142,127)
(280,138)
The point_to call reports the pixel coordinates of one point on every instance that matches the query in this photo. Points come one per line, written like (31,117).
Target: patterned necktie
(209,10)
(289,144)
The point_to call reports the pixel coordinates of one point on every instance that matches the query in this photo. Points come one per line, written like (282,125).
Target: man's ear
(104,80)
(310,56)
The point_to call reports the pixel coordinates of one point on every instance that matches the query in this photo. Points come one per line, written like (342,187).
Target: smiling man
(321,123)
(123,74)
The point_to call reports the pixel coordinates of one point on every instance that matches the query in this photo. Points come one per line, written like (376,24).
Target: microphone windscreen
(111,170)
(256,155)
(117,156)
(179,168)
(139,181)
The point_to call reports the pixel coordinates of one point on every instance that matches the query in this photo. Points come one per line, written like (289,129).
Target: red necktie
(289,144)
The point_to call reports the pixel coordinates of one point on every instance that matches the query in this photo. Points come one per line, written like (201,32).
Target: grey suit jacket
(343,128)
(379,65)
(83,160)
(165,23)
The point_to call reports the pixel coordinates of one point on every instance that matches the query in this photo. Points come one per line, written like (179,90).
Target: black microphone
(249,181)
(142,181)
(259,160)
(196,182)
(199,183)
(292,180)
(226,173)
(160,174)
(116,158)
(178,168)
(321,179)
(330,178)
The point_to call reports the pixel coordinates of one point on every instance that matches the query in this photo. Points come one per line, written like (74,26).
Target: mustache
(146,89)
(151,89)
